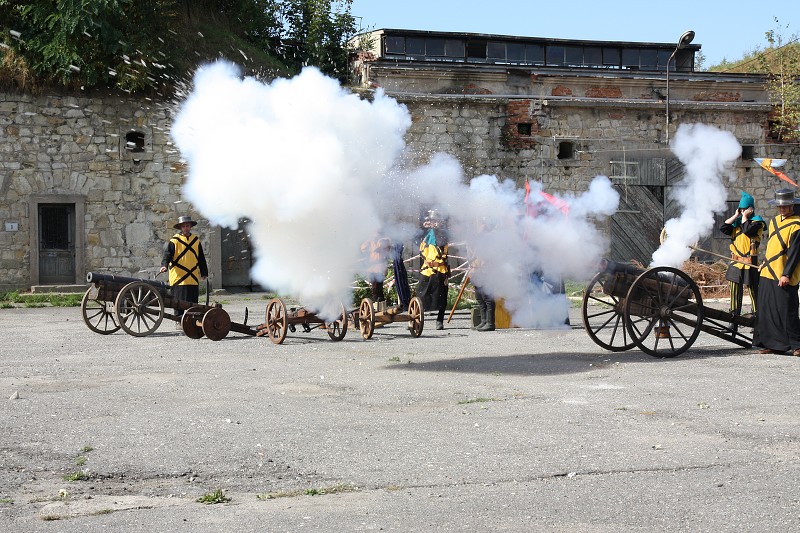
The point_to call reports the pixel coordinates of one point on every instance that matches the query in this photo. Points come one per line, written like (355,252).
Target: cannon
(371,315)
(279,320)
(137,306)
(659,310)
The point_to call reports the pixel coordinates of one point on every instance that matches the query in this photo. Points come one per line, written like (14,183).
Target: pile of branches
(710,277)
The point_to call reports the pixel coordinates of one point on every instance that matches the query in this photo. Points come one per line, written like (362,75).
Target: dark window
(555,55)
(684,60)
(434,47)
(496,51)
(515,52)
(748,152)
(54,226)
(648,59)
(476,49)
(566,150)
(395,45)
(593,56)
(415,46)
(611,57)
(630,58)
(134,141)
(524,128)
(534,53)
(574,55)
(663,56)
(454,48)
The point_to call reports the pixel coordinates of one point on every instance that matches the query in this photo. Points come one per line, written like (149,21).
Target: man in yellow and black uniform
(745,229)
(778,325)
(186,262)
(434,270)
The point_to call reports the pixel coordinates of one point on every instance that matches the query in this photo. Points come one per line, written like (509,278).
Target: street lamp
(685,39)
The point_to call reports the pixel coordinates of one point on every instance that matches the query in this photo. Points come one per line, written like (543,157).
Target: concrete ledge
(66,289)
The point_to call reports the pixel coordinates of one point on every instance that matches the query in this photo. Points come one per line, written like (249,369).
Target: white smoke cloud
(319,171)
(303,160)
(708,154)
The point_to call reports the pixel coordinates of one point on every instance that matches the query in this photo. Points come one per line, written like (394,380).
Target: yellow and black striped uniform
(184,268)
(781,231)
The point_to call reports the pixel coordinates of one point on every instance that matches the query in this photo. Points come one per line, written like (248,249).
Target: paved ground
(516,430)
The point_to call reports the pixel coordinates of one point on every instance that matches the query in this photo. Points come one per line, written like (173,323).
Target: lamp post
(685,39)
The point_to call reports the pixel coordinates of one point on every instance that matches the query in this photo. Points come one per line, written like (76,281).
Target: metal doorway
(237,258)
(56,238)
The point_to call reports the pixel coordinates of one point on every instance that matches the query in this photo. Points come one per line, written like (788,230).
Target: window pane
(555,55)
(648,59)
(574,55)
(593,56)
(515,51)
(611,57)
(497,51)
(630,58)
(534,53)
(434,47)
(395,45)
(454,48)
(415,46)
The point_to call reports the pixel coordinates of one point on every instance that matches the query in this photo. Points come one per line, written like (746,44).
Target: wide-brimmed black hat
(184,220)
(784,197)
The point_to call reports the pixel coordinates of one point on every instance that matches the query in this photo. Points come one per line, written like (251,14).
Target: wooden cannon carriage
(279,319)
(371,315)
(659,310)
(138,307)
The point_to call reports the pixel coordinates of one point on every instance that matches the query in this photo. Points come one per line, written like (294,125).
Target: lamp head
(686,39)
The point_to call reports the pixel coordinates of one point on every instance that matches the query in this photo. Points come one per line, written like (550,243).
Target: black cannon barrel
(97,277)
(622,275)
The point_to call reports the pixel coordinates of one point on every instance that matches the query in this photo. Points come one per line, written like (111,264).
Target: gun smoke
(317,171)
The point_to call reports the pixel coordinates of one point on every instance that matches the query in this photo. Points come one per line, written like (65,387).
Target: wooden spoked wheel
(276,321)
(338,328)
(216,323)
(98,315)
(366,318)
(416,317)
(669,308)
(603,317)
(189,323)
(139,308)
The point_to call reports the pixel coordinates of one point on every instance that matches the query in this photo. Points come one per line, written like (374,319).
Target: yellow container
(502,318)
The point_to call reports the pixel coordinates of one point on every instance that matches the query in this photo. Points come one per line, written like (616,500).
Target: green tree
(91,43)
(781,60)
(315,32)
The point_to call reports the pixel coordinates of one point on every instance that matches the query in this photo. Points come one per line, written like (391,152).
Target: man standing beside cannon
(778,327)
(745,229)
(434,268)
(186,262)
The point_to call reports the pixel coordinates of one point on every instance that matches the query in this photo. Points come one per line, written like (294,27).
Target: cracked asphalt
(513,430)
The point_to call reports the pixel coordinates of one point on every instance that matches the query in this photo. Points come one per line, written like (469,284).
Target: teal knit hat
(746,201)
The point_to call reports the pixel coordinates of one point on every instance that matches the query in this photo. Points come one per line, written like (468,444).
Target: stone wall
(84,151)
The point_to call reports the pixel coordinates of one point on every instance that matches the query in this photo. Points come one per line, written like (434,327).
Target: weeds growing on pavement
(210,498)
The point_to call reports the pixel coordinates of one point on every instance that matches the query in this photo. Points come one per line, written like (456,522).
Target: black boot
(482,311)
(489,325)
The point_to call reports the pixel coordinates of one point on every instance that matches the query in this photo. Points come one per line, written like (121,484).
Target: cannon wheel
(98,314)
(606,324)
(655,299)
(366,318)
(416,318)
(139,308)
(276,320)
(338,328)
(189,322)
(216,323)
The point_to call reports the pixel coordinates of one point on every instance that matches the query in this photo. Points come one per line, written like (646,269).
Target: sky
(725,29)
